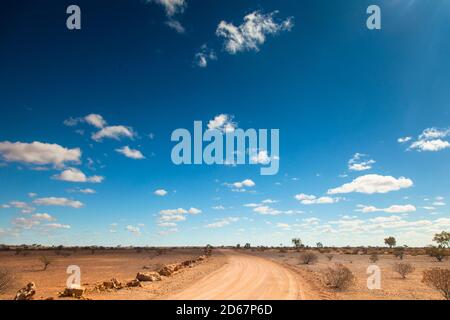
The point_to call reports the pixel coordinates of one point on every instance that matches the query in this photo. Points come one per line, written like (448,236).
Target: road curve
(244,277)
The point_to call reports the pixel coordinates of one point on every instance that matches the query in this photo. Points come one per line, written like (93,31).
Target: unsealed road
(244,277)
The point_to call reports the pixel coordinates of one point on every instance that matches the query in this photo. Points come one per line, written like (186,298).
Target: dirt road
(245,277)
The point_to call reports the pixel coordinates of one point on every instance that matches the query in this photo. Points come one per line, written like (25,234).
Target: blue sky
(341,95)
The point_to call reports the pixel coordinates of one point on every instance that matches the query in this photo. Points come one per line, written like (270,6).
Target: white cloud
(167,232)
(113,132)
(359,162)
(172,7)
(38,153)
(222,223)
(266,210)
(95,120)
(43,216)
(222,122)
(404,139)
(23,206)
(57,226)
(131,153)
(180,211)
(134,230)
(246,183)
(173,211)
(430,145)
(160,192)
(204,56)
(373,183)
(391,209)
(75,175)
(194,211)
(261,158)
(167,224)
(24,223)
(32,194)
(283,225)
(175,25)
(431,139)
(62,202)
(252,32)
(87,191)
(311,199)
(175,217)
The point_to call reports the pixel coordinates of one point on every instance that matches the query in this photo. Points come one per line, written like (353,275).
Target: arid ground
(227,274)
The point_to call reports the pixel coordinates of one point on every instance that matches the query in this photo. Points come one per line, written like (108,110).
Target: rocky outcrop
(134,283)
(27,292)
(148,276)
(76,293)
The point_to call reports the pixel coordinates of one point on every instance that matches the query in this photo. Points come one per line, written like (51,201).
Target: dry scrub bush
(338,277)
(329,257)
(373,258)
(308,257)
(439,253)
(438,279)
(403,269)
(6,279)
(45,262)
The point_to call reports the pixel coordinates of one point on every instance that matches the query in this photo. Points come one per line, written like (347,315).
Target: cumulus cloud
(431,139)
(175,217)
(222,223)
(311,199)
(373,183)
(24,223)
(131,153)
(222,122)
(204,56)
(38,153)
(261,158)
(160,192)
(134,230)
(167,224)
(264,209)
(430,145)
(113,132)
(95,120)
(252,33)
(61,202)
(43,216)
(180,211)
(404,139)
(360,162)
(22,206)
(76,175)
(391,209)
(248,183)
